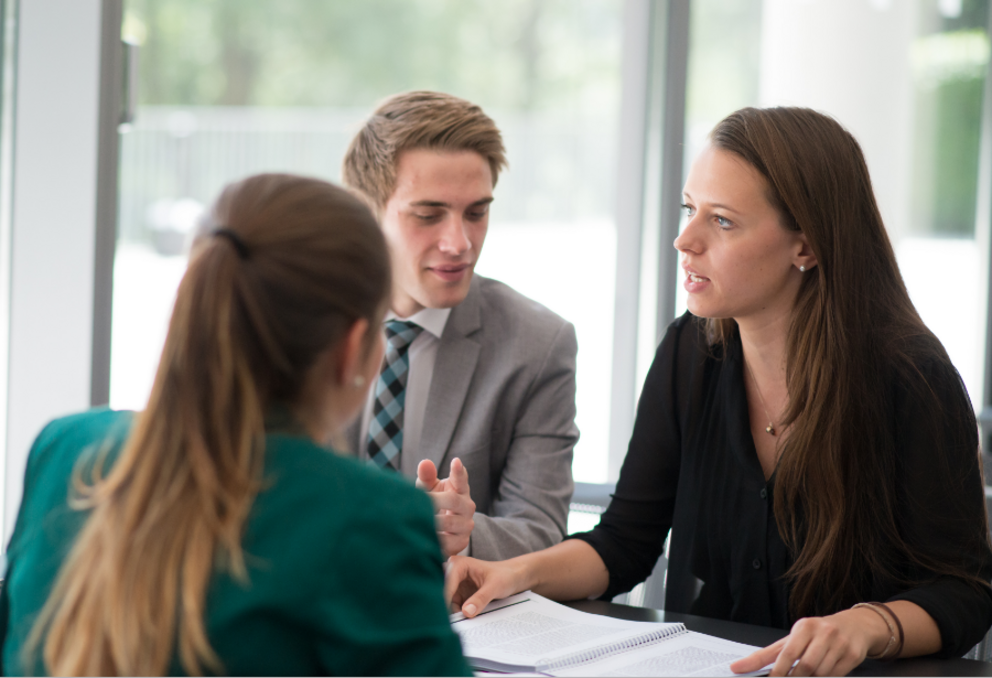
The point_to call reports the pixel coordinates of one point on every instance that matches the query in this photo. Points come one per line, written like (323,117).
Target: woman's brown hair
(285,269)
(854,335)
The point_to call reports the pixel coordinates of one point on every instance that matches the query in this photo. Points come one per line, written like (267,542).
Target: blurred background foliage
(544,56)
(950,62)
(516,54)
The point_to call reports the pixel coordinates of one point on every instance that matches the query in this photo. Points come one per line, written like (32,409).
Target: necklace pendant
(770,429)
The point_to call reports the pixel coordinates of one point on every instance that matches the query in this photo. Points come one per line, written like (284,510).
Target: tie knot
(401,333)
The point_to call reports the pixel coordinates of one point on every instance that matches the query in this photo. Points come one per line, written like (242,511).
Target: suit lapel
(457,356)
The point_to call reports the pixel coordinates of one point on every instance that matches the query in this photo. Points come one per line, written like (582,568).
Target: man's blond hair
(422,119)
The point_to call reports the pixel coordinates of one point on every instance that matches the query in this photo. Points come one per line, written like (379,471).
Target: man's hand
(452,503)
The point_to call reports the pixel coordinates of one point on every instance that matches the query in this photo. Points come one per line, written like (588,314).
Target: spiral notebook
(529,633)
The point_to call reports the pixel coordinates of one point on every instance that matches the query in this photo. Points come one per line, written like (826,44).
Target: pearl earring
(802,269)
(359,381)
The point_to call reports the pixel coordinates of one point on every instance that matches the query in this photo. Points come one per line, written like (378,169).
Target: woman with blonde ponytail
(216,531)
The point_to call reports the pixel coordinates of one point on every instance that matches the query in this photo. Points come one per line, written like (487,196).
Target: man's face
(435,223)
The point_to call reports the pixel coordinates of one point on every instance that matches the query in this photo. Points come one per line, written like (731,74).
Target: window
(907,79)
(233,87)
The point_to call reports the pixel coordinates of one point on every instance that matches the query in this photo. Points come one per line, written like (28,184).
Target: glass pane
(233,87)
(906,78)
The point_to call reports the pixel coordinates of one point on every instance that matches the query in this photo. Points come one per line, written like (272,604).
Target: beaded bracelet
(893,645)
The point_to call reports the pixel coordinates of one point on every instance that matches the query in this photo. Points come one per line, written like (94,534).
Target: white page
(688,654)
(529,629)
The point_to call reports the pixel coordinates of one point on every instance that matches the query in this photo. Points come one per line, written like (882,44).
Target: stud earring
(359,381)
(802,269)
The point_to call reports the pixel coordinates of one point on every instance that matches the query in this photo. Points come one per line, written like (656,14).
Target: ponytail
(302,262)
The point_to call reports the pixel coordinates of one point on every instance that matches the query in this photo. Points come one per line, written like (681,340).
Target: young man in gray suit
(478,382)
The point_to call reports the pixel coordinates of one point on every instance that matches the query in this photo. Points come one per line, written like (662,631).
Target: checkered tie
(386,425)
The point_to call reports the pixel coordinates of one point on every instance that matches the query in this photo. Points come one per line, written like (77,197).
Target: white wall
(850,59)
(53,224)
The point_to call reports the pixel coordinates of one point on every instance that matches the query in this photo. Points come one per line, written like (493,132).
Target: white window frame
(63,194)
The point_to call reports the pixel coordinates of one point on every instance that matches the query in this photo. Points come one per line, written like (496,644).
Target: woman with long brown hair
(216,531)
(801,434)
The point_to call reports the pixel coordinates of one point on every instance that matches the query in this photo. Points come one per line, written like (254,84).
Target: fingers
(759,659)
(486,592)
(458,477)
(454,530)
(470,584)
(465,585)
(450,523)
(426,475)
(455,503)
(836,662)
(795,645)
(453,544)
(477,602)
(458,584)
(817,646)
(846,662)
(810,661)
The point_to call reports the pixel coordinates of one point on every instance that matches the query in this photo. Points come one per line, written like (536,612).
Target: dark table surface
(761,636)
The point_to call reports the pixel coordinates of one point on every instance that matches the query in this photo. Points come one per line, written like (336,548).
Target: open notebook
(529,633)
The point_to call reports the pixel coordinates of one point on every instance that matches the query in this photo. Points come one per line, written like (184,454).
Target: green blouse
(345,571)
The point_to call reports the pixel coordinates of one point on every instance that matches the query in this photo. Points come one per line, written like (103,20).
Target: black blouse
(692,468)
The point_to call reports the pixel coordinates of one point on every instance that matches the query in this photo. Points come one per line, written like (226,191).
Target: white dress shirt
(422,354)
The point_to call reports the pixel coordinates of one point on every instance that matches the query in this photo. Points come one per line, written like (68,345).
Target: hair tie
(239,245)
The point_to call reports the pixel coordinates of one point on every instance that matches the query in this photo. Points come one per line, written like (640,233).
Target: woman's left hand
(822,646)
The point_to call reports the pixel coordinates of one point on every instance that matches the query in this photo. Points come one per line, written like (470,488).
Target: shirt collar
(431,319)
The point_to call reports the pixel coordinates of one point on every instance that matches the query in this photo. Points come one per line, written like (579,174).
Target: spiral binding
(610,649)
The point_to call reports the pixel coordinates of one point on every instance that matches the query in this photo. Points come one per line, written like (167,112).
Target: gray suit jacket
(502,399)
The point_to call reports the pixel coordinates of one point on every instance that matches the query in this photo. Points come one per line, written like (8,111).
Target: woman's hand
(470,584)
(822,646)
